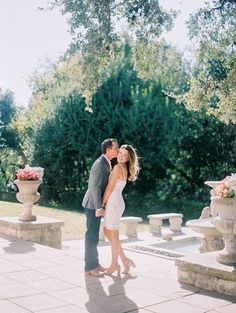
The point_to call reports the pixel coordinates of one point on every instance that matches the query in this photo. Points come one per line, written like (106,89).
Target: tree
(8,138)
(7,113)
(50,83)
(159,61)
(98,27)
(61,144)
(176,146)
(66,143)
(204,149)
(213,87)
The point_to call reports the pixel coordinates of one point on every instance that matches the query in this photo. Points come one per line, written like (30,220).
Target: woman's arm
(111,183)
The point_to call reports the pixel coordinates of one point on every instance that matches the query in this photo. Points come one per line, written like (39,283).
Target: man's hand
(100,212)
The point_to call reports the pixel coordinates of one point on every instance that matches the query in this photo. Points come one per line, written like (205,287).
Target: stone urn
(225,222)
(27,195)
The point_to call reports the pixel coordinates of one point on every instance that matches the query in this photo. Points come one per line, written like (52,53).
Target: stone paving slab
(40,279)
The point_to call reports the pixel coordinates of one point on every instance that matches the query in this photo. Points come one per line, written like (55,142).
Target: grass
(74,227)
(74,221)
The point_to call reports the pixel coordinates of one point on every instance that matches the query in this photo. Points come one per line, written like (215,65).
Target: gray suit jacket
(98,179)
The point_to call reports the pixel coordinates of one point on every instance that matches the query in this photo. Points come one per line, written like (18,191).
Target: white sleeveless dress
(115,206)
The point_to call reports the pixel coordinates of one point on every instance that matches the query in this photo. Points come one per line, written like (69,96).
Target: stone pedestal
(202,270)
(211,243)
(45,231)
(155,226)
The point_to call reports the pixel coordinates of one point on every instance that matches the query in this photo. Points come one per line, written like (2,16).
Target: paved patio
(36,278)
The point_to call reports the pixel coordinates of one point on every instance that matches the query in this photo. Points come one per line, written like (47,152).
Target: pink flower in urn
(224,189)
(30,173)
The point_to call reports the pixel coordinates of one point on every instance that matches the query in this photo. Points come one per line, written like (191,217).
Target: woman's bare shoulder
(116,169)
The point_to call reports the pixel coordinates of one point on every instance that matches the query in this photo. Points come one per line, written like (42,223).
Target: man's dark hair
(107,144)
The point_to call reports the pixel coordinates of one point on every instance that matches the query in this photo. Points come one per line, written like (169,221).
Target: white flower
(225,188)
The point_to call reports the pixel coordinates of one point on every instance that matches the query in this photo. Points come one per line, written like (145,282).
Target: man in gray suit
(92,203)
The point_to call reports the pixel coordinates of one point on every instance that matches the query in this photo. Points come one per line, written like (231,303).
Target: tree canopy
(176,147)
(7,112)
(97,25)
(213,85)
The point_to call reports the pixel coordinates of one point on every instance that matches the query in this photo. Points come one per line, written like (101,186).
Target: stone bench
(131,223)
(155,221)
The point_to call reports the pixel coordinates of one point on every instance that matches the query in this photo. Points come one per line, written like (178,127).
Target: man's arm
(109,188)
(97,184)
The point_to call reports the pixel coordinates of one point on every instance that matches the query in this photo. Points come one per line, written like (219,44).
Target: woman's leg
(124,259)
(122,255)
(113,237)
(127,262)
(106,233)
(115,245)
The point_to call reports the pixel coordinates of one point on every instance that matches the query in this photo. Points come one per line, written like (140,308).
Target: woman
(127,168)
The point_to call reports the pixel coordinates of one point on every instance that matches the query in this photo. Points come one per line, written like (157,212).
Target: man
(92,203)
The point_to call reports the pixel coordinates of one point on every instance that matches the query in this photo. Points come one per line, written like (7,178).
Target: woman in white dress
(126,169)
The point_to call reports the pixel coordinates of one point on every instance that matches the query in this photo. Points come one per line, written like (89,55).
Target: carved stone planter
(27,195)
(225,222)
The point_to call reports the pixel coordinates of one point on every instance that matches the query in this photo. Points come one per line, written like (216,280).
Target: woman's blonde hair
(133,163)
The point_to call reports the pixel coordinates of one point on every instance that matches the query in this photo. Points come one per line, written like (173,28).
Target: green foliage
(204,150)
(7,108)
(7,113)
(178,149)
(96,25)
(9,159)
(65,143)
(160,62)
(213,88)
(9,163)
(135,112)
(61,145)
(214,24)
(216,69)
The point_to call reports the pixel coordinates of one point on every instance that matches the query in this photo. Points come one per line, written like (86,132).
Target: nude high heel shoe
(129,263)
(112,270)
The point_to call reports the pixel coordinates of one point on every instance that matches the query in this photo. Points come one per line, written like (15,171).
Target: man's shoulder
(100,159)
(99,162)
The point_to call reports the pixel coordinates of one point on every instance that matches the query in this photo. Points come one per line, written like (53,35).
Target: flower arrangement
(225,189)
(30,173)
